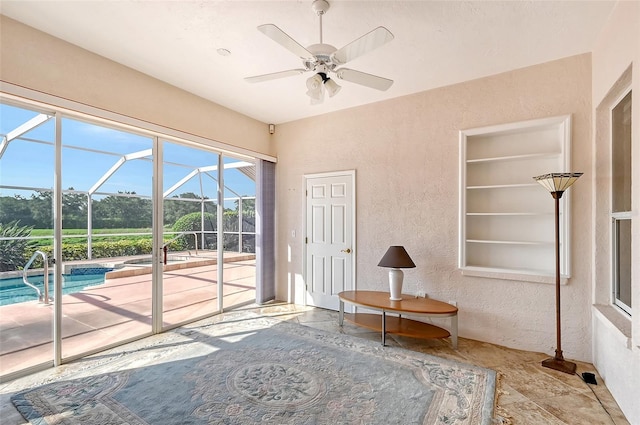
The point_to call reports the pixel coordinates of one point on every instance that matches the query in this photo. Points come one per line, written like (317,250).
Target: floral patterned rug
(262,371)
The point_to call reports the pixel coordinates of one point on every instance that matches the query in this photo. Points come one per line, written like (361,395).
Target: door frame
(306,177)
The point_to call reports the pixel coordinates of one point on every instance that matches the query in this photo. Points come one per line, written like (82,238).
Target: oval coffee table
(410,305)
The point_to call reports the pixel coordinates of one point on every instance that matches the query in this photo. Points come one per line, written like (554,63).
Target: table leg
(341,313)
(454,331)
(384,328)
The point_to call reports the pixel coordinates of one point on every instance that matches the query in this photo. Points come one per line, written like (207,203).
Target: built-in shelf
(506,218)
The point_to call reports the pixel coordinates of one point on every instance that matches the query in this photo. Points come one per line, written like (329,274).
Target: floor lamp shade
(557,183)
(396,258)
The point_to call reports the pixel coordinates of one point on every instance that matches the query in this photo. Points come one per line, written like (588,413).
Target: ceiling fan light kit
(314,84)
(332,87)
(324,59)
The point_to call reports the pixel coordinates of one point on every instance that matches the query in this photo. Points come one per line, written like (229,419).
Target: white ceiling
(437,43)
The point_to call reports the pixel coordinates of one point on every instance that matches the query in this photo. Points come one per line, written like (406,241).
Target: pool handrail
(43,299)
(179,235)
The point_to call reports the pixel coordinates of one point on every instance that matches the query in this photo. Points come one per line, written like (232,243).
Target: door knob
(348,250)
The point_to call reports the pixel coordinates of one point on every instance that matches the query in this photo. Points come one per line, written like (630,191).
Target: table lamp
(396,258)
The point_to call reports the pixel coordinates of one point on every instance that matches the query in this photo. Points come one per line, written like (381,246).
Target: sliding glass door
(239,224)
(106,236)
(135,232)
(26,237)
(189,256)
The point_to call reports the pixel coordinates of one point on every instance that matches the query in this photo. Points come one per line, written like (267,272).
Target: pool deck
(141,264)
(120,309)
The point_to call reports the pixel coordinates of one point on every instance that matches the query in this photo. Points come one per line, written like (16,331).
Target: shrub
(12,252)
(192,223)
(107,249)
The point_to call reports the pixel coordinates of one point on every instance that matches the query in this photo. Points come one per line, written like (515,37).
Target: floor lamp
(557,183)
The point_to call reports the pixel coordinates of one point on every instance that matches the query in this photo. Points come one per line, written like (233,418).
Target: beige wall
(405,152)
(616,337)
(40,62)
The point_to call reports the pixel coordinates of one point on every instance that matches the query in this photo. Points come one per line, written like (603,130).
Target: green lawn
(49,232)
(118,235)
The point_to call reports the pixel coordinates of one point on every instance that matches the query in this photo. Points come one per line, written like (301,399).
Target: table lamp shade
(396,257)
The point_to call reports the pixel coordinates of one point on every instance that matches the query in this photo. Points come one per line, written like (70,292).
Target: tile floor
(527,393)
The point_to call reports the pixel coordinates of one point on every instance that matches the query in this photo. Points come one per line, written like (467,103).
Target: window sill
(616,321)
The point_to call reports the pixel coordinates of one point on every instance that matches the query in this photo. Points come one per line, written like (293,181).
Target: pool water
(13,290)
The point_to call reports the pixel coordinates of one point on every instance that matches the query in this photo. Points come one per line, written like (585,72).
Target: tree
(174,208)
(15,208)
(248,206)
(41,205)
(116,211)
(38,210)
(74,210)
(248,216)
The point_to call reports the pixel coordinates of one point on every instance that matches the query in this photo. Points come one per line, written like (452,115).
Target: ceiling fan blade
(368,42)
(280,37)
(364,79)
(274,75)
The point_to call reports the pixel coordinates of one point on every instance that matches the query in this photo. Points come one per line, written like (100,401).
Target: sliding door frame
(63,108)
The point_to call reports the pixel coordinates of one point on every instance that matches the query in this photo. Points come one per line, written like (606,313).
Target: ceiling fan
(324,59)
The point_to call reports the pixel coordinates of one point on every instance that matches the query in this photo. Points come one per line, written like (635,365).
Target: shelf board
(396,325)
(514,157)
(499,242)
(506,270)
(514,214)
(504,186)
(526,275)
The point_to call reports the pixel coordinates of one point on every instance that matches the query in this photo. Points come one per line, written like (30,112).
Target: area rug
(263,371)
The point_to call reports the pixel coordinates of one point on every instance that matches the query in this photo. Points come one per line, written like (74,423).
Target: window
(621,201)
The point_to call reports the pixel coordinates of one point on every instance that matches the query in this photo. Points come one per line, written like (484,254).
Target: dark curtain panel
(265,231)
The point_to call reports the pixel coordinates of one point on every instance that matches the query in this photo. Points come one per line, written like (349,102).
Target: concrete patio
(121,309)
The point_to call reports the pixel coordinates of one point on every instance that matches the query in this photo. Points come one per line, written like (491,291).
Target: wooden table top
(408,304)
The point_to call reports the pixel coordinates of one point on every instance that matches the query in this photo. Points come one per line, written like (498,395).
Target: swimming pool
(13,290)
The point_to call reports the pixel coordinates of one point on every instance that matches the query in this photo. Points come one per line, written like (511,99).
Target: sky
(29,160)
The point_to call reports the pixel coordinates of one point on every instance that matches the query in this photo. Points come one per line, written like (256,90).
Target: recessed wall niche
(506,219)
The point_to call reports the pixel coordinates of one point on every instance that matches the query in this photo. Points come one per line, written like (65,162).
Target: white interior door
(330,237)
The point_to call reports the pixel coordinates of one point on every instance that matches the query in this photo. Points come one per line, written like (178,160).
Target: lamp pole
(558,362)
(557,196)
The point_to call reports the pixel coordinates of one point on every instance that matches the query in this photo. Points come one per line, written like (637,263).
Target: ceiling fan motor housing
(320,7)
(322,56)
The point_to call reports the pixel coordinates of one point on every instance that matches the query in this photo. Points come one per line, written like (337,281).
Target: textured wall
(38,61)
(406,155)
(616,349)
